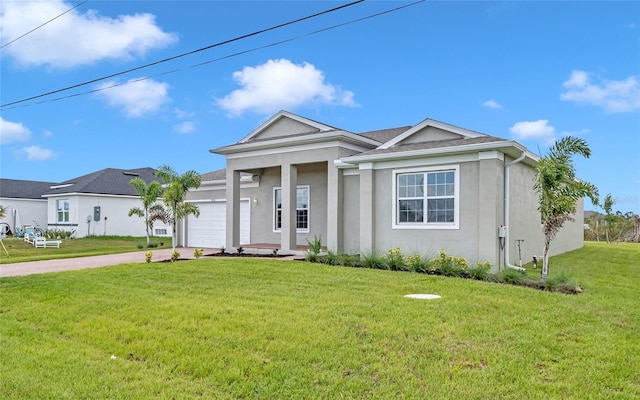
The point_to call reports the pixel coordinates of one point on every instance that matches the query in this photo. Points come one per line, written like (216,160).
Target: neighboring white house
(24,202)
(92,204)
(423,188)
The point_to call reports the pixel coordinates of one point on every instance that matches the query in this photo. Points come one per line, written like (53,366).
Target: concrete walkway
(68,264)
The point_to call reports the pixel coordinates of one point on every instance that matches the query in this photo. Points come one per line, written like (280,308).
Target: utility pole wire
(184,54)
(38,27)
(273,44)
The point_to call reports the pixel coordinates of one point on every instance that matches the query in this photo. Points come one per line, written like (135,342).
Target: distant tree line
(612,227)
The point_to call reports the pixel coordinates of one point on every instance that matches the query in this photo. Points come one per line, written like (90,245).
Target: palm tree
(609,218)
(175,191)
(149,195)
(559,189)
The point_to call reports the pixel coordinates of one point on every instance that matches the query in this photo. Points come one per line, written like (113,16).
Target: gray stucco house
(422,188)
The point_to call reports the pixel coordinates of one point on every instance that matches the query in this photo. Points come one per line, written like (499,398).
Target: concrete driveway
(68,264)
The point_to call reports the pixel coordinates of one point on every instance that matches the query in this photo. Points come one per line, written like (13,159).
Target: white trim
(490,155)
(426,225)
(273,207)
(469,148)
(295,148)
(431,123)
(351,172)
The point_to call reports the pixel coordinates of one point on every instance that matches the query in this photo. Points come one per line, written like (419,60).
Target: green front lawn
(20,251)
(272,329)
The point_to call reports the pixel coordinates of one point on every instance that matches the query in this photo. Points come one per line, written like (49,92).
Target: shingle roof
(217,175)
(107,181)
(434,144)
(21,189)
(384,135)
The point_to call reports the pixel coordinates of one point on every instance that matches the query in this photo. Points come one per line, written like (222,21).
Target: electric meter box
(96,213)
(502,231)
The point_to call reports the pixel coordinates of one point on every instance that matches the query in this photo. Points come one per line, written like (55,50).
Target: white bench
(29,237)
(42,242)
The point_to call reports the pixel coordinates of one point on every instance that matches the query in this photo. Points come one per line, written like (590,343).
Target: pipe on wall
(506,209)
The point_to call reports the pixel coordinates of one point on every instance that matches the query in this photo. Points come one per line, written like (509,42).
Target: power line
(183,54)
(228,55)
(40,26)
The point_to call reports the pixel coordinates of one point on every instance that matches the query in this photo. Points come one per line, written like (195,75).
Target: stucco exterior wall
(28,209)
(351,203)
(526,222)
(114,218)
(460,242)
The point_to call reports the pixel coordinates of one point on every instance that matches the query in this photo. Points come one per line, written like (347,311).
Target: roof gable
(431,130)
(111,181)
(285,124)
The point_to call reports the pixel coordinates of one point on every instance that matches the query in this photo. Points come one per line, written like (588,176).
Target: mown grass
(20,251)
(267,329)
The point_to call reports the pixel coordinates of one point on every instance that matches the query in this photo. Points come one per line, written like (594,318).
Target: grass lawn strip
(240,328)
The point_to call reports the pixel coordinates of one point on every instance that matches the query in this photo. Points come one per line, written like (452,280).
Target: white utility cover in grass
(422,296)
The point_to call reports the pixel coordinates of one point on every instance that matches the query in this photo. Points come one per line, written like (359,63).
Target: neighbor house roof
(110,181)
(21,189)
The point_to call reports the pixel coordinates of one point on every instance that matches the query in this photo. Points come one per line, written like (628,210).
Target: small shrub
(147,256)
(175,255)
(222,251)
(349,260)
(140,246)
(373,261)
(315,246)
(416,263)
(311,257)
(240,250)
(480,271)
(197,253)
(152,245)
(330,258)
(394,260)
(554,281)
(448,265)
(512,277)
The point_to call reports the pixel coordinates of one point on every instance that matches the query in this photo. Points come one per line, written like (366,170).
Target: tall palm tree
(149,194)
(174,195)
(559,189)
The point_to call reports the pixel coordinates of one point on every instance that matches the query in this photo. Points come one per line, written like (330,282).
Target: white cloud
(13,132)
(76,38)
(534,130)
(136,97)
(184,127)
(36,153)
(492,104)
(613,96)
(281,84)
(183,114)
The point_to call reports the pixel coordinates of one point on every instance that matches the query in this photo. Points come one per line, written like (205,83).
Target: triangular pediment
(285,124)
(430,130)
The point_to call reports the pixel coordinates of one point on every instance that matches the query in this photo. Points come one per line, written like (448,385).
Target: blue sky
(529,71)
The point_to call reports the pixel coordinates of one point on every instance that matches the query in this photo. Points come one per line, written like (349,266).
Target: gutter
(506,208)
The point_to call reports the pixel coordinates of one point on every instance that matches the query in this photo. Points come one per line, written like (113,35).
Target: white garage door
(209,229)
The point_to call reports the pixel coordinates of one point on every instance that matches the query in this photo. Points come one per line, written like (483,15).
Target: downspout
(506,209)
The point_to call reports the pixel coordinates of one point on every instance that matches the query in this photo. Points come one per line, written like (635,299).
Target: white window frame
(275,211)
(426,225)
(61,211)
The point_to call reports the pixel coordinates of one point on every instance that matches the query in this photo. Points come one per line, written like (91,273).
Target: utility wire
(184,54)
(228,55)
(38,27)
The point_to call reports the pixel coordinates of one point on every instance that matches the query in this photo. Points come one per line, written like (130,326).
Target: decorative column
(233,209)
(367,209)
(288,231)
(334,208)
